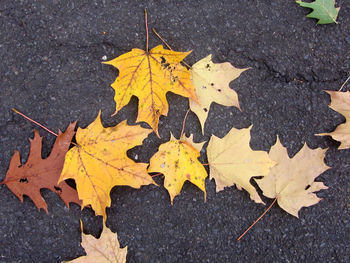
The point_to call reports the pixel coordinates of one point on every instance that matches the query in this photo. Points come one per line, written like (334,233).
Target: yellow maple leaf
(291,181)
(233,162)
(178,161)
(340,102)
(99,162)
(211,81)
(106,249)
(149,76)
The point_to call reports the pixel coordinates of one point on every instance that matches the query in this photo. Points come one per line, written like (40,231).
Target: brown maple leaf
(38,173)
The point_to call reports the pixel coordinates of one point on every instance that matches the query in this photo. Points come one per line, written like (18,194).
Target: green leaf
(324,11)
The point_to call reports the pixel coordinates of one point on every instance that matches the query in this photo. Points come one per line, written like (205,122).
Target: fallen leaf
(233,162)
(149,76)
(106,249)
(38,173)
(291,181)
(99,162)
(340,102)
(323,10)
(211,81)
(178,161)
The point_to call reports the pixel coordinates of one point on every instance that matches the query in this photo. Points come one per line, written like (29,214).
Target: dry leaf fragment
(291,181)
(149,76)
(38,173)
(99,162)
(211,81)
(178,161)
(106,249)
(340,102)
(233,162)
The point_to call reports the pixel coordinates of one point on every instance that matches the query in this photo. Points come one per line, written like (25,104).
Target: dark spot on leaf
(23,180)
(204,87)
(212,84)
(205,109)
(307,187)
(58,189)
(219,90)
(162,60)
(173,79)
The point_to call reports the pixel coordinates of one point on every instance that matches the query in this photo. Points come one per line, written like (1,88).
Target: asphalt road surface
(51,53)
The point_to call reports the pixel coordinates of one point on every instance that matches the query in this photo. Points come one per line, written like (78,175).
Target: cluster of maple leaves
(98,160)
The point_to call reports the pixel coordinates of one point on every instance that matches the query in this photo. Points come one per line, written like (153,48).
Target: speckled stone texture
(51,53)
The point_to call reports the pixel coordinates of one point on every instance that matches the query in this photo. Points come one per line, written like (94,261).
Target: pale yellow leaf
(106,249)
(340,102)
(291,181)
(233,162)
(211,81)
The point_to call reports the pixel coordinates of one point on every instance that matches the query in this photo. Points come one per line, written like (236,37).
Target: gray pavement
(51,70)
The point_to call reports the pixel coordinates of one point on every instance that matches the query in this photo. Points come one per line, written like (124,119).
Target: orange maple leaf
(178,161)
(149,75)
(99,162)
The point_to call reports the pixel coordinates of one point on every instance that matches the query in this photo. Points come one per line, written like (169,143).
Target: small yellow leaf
(233,162)
(149,76)
(106,249)
(291,181)
(340,102)
(178,161)
(211,81)
(99,162)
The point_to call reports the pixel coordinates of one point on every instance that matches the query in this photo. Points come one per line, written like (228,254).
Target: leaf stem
(162,39)
(184,123)
(256,221)
(156,175)
(37,123)
(346,81)
(146,24)
(165,43)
